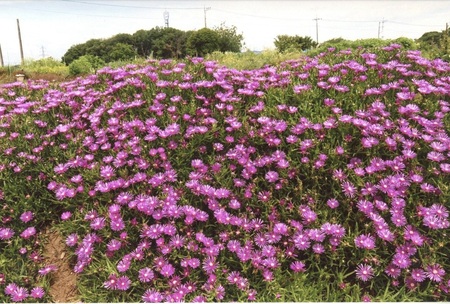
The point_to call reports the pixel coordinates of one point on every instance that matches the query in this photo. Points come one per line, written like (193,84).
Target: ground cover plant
(324,178)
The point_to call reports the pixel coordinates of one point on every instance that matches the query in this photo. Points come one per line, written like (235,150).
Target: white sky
(50,28)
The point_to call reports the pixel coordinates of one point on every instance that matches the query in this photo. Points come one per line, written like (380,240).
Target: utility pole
(446,38)
(317,29)
(204,12)
(43,52)
(1,57)
(380,27)
(20,42)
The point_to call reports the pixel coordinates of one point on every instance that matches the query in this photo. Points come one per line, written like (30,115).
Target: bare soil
(7,77)
(63,285)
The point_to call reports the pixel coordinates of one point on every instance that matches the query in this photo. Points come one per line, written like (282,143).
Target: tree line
(169,42)
(159,42)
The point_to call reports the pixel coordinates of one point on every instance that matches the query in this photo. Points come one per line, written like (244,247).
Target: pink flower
(364,272)
(123,283)
(47,269)
(28,232)
(435,272)
(66,215)
(37,292)
(26,216)
(19,294)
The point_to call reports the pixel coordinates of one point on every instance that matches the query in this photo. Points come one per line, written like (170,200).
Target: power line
(258,16)
(410,24)
(131,6)
(89,15)
(351,21)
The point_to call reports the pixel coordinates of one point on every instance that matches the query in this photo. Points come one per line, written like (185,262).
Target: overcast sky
(50,28)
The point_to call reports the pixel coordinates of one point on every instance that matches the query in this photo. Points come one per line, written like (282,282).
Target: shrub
(47,65)
(85,65)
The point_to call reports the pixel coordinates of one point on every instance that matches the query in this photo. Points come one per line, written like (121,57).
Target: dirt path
(63,286)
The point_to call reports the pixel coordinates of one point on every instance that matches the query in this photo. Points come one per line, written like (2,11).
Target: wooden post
(20,42)
(1,57)
(446,38)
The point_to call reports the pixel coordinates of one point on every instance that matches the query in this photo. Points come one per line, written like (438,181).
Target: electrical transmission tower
(166,19)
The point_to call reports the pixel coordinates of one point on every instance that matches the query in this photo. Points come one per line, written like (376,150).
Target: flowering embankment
(189,181)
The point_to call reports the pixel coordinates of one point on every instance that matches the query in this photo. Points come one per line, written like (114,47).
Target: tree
(203,42)
(97,47)
(230,40)
(168,42)
(121,38)
(430,38)
(121,51)
(286,43)
(73,53)
(435,44)
(142,41)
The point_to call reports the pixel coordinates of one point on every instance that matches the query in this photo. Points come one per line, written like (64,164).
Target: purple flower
(419,275)
(401,260)
(117,224)
(435,272)
(10,288)
(6,233)
(439,210)
(366,298)
(66,215)
(72,240)
(209,265)
(318,248)
(297,266)
(123,264)
(393,271)
(37,292)
(107,172)
(26,216)
(435,222)
(365,241)
(111,283)
(146,275)
(339,174)
(28,232)
(19,294)
(193,262)
(271,176)
(98,223)
(167,270)
(176,241)
(349,189)
(332,203)
(47,269)
(113,245)
(301,241)
(364,272)
(152,296)
(123,283)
